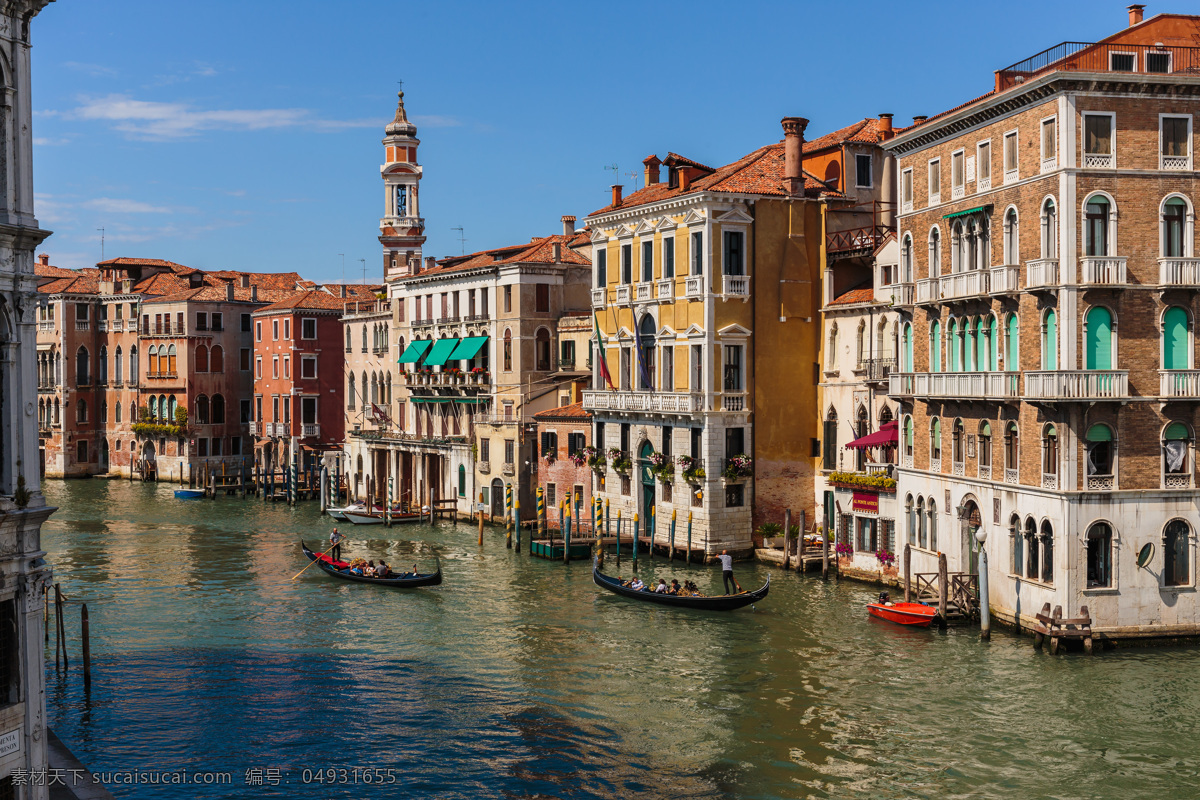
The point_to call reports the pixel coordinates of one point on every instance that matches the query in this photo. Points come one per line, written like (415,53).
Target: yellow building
(707,294)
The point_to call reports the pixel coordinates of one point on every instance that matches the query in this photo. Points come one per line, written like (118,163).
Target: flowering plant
(738,467)
(619,459)
(594,458)
(454,371)
(886,559)
(693,470)
(578,457)
(662,466)
(861,480)
(843,550)
(478,371)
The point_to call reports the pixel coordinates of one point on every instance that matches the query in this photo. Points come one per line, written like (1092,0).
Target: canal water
(518,678)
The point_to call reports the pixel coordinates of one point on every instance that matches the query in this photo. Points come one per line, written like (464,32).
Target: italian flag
(602,352)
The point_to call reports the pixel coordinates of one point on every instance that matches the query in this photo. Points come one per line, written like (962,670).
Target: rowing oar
(315,560)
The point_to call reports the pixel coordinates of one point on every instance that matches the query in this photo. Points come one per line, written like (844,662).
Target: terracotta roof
(314,299)
(862,294)
(161,283)
(676,159)
(51,271)
(539,251)
(143,262)
(208,294)
(573,411)
(76,284)
(864,131)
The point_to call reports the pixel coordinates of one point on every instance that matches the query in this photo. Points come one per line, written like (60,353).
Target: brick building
(1047,285)
(562,474)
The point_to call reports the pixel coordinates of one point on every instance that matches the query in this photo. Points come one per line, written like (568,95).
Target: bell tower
(402,230)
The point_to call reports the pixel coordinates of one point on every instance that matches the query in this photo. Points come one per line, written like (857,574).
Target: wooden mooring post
(943,582)
(907,572)
(481,518)
(671,548)
(635,541)
(60,630)
(787,535)
(1055,627)
(824,552)
(87,647)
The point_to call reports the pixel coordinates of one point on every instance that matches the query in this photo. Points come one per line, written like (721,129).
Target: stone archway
(970,520)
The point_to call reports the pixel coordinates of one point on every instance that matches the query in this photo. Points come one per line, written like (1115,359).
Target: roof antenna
(364,263)
(462,246)
(101,243)
(634,176)
(615,171)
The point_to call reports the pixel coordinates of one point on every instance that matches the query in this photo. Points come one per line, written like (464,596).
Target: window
(733,367)
(244,359)
(906,189)
(1176,547)
(246,323)
(542,349)
(541,297)
(1047,542)
(275,330)
(1175,137)
(287,330)
(1096,222)
(218,323)
(81,452)
(1031,549)
(601,267)
(258,367)
(1176,347)
(935,254)
(216,359)
(831,355)
(1122,62)
(908,437)
(243,413)
(626,264)
(697,356)
(985,446)
(308,410)
(508,351)
(698,253)
(1176,445)
(1098,338)
(1098,140)
(1050,451)
(485,449)
(958,173)
(308,328)
(862,170)
(509,451)
(202,416)
(201,358)
(218,409)
(1176,239)
(1012,249)
(274,366)
(1100,456)
(935,439)
(932,515)
(308,366)
(1049,229)
(958,438)
(1011,165)
(668,257)
(1099,555)
(735,495)
(647,260)
(82,367)
(1158,62)
(1049,142)
(1050,341)
(983,165)
(258,331)
(81,411)
(549,444)
(734,261)
(507,301)
(667,383)
(935,181)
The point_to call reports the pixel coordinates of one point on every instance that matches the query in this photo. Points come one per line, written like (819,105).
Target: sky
(246,135)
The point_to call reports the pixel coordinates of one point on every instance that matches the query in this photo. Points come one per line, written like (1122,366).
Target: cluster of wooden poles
(60,633)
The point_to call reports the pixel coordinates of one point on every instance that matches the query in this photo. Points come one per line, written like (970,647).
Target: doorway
(647,475)
(497,498)
(971,522)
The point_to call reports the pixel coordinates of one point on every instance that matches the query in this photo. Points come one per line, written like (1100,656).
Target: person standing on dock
(335,540)
(727,571)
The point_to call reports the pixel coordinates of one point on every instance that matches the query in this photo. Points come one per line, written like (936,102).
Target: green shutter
(935,348)
(1099,339)
(1014,344)
(969,350)
(1176,431)
(993,355)
(1050,345)
(951,349)
(908,352)
(1099,433)
(1175,339)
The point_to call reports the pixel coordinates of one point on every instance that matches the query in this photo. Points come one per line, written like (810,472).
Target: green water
(518,678)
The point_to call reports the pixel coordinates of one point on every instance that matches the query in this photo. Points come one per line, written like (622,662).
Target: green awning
(440,352)
(429,399)
(468,347)
(975,210)
(472,400)
(412,354)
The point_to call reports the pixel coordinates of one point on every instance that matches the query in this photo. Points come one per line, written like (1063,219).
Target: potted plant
(595,459)
(843,551)
(887,562)
(769,531)
(662,467)
(693,470)
(579,457)
(619,460)
(738,468)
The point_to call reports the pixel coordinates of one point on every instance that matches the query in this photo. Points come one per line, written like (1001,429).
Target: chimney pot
(685,177)
(793,153)
(919,120)
(245,281)
(616,194)
(556,249)
(885,127)
(651,164)
(568,223)
(1135,14)
(430,262)
(44,259)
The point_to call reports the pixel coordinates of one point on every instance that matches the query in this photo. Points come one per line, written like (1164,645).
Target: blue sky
(246,135)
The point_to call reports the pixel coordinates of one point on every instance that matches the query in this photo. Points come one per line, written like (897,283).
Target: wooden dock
(1054,627)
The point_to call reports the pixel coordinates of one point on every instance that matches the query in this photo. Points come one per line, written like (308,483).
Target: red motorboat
(917,614)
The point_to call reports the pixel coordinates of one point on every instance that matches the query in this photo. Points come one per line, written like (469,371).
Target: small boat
(721,602)
(376,517)
(340,513)
(341,569)
(915,614)
(189,494)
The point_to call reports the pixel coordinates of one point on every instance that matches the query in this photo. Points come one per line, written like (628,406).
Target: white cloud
(144,119)
(116,205)
(96,70)
(42,141)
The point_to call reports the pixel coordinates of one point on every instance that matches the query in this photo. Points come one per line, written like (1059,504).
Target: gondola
(727,602)
(328,565)
(189,494)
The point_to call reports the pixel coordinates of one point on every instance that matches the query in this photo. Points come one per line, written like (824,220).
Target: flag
(379,414)
(602,352)
(641,358)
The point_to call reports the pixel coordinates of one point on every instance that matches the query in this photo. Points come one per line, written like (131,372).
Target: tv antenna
(615,171)
(633,177)
(101,243)
(363,261)
(462,246)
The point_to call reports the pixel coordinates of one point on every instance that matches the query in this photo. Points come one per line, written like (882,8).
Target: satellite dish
(1145,554)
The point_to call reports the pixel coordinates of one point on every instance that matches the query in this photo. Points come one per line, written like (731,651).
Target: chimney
(616,190)
(568,223)
(126,286)
(685,177)
(793,153)
(919,120)
(651,165)
(556,250)
(1135,14)
(229,291)
(885,127)
(254,294)
(430,262)
(245,281)
(44,259)
(342,291)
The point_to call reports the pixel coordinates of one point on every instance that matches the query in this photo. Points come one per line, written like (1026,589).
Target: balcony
(1049,480)
(1175,163)
(1041,273)
(253,428)
(652,402)
(598,298)
(1101,483)
(102,326)
(856,240)
(1179,383)
(309,429)
(485,317)
(82,325)
(46,325)
(1103,270)
(483,466)
(1077,384)
(929,291)
(956,385)
(509,468)
(1178,272)
(733,402)
(964,285)
(566,364)
(1117,57)
(447,320)
(1098,160)
(624,293)
(735,286)
(643,292)
(421,323)
(903,294)
(1004,280)
(877,370)
(117,325)
(693,287)
(666,289)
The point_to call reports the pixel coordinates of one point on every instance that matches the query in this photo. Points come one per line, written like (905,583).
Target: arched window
(133,363)
(993,344)
(1012,249)
(81,411)
(1176,348)
(1016,545)
(83,376)
(1011,452)
(364,338)
(57,411)
(910,514)
(935,440)
(935,252)
(1176,447)
(1049,452)
(906,260)
(349,343)
(931,511)
(117,412)
(1050,341)
(1012,358)
(201,359)
(103,364)
(104,411)
(164,410)
(508,350)
(1176,553)
(971,362)
(1031,550)
(935,347)
(952,364)
(462,481)
(218,409)
(1097,226)
(958,247)
(985,446)
(908,350)
(1047,542)
(1099,338)
(541,344)
(1176,228)
(201,408)
(908,437)
(374,388)
(387,398)
(1049,229)
(922,521)
(958,437)
(350,391)
(118,372)
(885,344)
(153,358)
(171,408)
(132,411)
(216,359)
(1100,456)
(1099,555)
(831,352)
(170,360)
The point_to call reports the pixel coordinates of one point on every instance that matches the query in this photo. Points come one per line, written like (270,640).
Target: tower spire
(400,126)
(401,229)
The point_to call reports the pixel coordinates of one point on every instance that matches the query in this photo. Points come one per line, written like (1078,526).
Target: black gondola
(726,602)
(421,579)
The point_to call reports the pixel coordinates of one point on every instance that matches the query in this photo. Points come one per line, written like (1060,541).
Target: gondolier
(727,571)
(335,541)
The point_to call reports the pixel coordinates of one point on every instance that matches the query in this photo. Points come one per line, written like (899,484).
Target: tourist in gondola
(637,585)
(662,587)
(727,571)
(335,540)
(382,570)
(675,587)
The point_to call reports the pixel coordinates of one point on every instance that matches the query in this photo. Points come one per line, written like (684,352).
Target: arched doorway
(104,455)
(645,470)
(497,498)
(971,521)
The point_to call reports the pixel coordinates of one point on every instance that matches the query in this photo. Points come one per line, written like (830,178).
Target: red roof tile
(77,284)
(312,299)
(573,411)
(863,294)
(143,262)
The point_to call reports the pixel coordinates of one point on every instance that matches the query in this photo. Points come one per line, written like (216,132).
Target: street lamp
(985,621)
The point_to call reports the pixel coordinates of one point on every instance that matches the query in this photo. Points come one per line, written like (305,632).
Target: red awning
(888,435)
